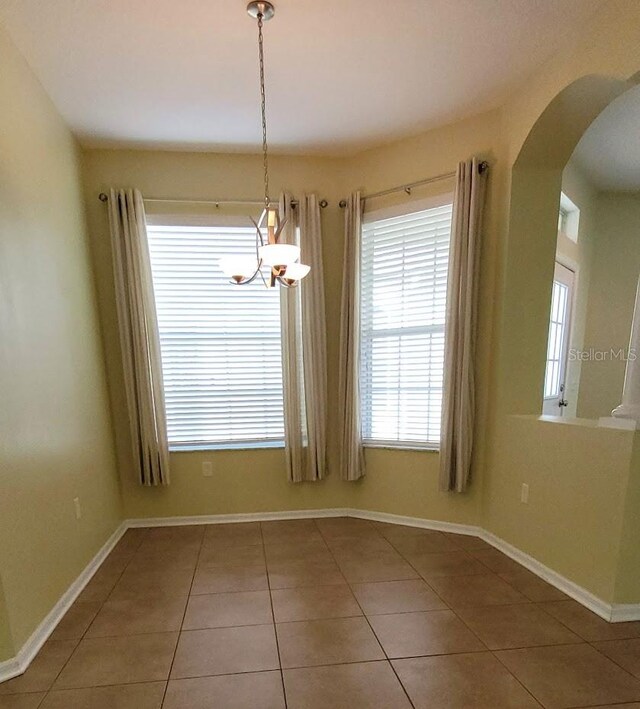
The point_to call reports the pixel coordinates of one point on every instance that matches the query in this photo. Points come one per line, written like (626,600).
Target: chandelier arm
(249,280)
(283,282)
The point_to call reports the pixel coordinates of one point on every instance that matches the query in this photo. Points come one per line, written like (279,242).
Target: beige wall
(517,265)
(403,482)
(616,267)
(243,481)
(543,123)
(583,481)
(54,424)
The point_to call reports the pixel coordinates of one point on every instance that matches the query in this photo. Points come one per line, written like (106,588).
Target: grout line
(364,615)
(273,617)
(184,614)
(86,630)
(526,689)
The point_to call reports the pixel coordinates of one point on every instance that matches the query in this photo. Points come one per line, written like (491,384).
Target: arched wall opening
(536,179)
(581,479)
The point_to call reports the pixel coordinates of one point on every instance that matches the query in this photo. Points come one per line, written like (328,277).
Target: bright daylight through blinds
(555,345)
(403,300)
(220,343)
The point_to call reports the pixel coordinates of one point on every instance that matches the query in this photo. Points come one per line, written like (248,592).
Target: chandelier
(282,260)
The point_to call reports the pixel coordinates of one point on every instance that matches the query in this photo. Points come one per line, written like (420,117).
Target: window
(220,343)
(568,218)
(558,343)
(404,262)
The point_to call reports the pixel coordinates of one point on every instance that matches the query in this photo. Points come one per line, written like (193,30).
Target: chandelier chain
(263,106)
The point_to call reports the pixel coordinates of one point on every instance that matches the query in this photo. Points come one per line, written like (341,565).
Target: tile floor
(324,614)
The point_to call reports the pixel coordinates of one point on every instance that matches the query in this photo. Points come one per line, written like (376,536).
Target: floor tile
(426,633)
(125,696)
(395,531)
(148,614)
(423,544)
(241,555)
(476,681)
(467,541)
(290,530)
(523,625)
(570,676)
(334,527)
(384,567)
(172,561)
(243,691)
(450,563)
(485,590)
(121,660)
(21,701)
(44,668)
(144,584)
(177,534)
(99,586)
(129,541)
(532,586)
(294,551)
(222,579)
(237,534)
(76,620)
(295,574)
(496,560)
(220,651)
(291,604)
(396,597)
(588,625)
(368,685)
(625,653)
(223,610)
(326,642)
(360,547)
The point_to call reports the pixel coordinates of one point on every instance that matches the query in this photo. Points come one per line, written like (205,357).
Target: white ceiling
(341,74)
(609,151)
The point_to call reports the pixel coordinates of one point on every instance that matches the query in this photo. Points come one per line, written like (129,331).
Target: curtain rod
(104,197)
(482,167)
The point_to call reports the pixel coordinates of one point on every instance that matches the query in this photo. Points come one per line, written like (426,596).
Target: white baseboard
(586,598)
(232,518)
(624,612)
(18,664)
(614,613)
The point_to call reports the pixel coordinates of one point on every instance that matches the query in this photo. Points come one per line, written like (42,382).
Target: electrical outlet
(524,493)
(77,507)
(207,469)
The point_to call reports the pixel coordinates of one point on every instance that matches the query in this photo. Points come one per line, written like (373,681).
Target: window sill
(241,446)
(431,448)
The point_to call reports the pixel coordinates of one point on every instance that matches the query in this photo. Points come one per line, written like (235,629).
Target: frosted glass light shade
(296,271)
(238,267)
(279,254)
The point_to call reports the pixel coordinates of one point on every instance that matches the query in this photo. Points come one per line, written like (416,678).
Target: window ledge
(433,448)
(191,447)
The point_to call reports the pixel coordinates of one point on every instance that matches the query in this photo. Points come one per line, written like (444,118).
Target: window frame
(398,210)
(223,217)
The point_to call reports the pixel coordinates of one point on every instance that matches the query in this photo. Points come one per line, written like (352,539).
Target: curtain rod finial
(103,197)
(483,166)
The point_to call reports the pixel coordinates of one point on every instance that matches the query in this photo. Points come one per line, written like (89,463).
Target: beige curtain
(139,338)
(351,452)
(304,346)
(458,406)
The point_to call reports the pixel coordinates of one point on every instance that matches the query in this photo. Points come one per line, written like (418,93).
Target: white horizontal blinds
(220,342)
(555,345)
(403,301)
